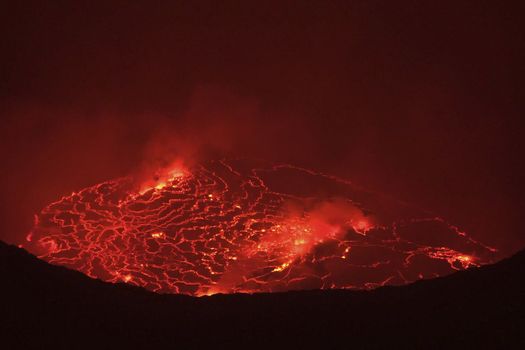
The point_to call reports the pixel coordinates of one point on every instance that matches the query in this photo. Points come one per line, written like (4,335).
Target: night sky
(421,100)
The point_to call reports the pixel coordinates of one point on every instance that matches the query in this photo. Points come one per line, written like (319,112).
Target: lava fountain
(229,226)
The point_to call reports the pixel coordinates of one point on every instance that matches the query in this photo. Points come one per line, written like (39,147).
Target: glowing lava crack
(241,226)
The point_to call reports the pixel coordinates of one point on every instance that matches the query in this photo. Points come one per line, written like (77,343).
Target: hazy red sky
(421,100)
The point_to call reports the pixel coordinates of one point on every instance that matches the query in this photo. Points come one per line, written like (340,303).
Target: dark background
(421,100)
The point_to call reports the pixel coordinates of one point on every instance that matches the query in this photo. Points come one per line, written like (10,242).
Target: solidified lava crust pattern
(230,226)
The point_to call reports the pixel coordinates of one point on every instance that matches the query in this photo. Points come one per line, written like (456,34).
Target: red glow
(238,226)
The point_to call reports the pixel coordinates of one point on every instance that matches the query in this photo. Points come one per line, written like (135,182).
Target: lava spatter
(243,226)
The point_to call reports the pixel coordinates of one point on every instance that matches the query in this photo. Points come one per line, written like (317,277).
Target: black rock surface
(53,307)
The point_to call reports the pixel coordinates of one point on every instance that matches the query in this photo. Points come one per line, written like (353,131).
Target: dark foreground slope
(50,306)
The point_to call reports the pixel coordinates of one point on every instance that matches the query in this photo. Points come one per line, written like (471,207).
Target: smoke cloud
(389,97)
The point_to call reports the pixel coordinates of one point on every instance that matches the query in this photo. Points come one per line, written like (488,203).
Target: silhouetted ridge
(49,305)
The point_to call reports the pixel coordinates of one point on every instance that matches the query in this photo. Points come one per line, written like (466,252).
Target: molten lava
(243,226)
